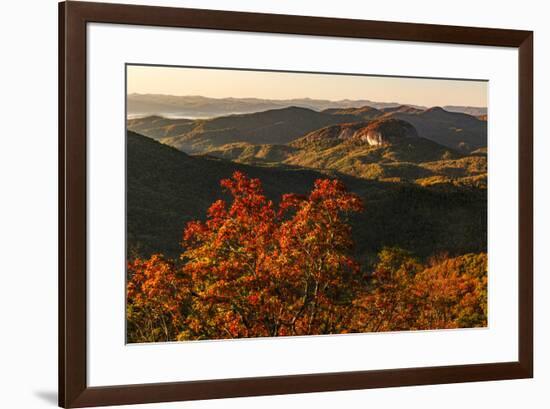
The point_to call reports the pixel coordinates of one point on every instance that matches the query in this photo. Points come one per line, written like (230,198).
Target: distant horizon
(223,83)
(304,98)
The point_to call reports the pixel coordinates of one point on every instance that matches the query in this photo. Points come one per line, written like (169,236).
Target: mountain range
(166,188)
(400,156)
(284,125)
(195,106)
(422,172)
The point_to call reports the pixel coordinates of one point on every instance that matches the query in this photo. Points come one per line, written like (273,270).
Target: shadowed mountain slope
(278,126)
(364,113)
(452,129)
(382,149)
(282,126)
(474,111)
(403,108)
(166,188)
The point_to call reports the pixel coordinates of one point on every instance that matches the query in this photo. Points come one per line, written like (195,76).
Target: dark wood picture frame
(73,388)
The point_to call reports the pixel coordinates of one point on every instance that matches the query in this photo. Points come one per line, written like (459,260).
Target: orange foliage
(156,297)
(255,269)
(447,293)
(261,271)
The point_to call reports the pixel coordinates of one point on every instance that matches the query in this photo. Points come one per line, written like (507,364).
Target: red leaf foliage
(254,269)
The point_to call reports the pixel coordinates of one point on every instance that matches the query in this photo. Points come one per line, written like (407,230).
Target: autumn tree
(389,304)
(314,256)
(452,292)
(157,299)
(254,269)
(406,295)
(261,271)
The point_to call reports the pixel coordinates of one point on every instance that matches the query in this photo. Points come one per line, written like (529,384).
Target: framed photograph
(254,204)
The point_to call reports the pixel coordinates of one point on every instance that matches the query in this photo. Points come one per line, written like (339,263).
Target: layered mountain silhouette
(194,106)
(404,161)
(281,126)
(474,111)
(365,112)
(402,108)
(167,188)
(277,126)
(453,129)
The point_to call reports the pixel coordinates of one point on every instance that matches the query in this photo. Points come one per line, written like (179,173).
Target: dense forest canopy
(298,222)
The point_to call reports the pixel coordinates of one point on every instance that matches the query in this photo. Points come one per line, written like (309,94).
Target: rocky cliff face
(386,131)
(383,131)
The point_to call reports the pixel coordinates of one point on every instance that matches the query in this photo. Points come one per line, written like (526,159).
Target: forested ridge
(352,227)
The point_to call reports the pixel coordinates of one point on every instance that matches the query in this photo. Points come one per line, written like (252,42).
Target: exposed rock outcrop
(386,131)
(382,131)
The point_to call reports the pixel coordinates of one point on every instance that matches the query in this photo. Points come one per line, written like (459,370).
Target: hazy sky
(219,83)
